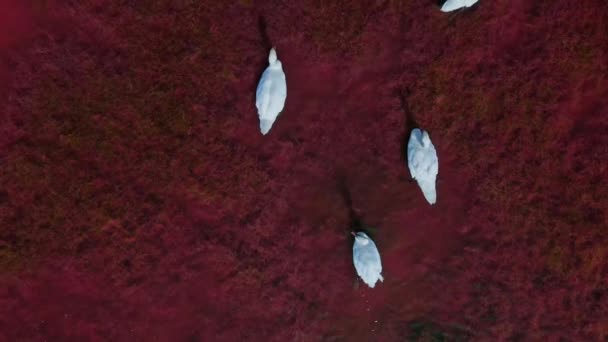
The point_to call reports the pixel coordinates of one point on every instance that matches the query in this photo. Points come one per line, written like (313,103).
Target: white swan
(271,93)
(423,163)
(367,259)
(452,5)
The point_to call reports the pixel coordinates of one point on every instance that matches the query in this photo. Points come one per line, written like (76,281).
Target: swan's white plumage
(367,259)
(271,92)
(452,5)
(423,163)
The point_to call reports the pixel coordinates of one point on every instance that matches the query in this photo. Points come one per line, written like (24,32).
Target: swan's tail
(428,190)
(265,125)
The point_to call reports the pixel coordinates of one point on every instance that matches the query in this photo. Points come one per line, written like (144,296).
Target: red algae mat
(138,200)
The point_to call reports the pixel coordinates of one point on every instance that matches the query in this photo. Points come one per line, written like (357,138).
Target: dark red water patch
(139,201)
(17,22)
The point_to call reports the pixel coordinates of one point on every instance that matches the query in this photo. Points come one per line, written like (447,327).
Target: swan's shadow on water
(409,123)
(355,223)
(267,46)
(263,32)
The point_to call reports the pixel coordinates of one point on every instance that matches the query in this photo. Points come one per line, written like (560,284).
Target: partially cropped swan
(367,259)
(452,5)
(423,163)
(271,92)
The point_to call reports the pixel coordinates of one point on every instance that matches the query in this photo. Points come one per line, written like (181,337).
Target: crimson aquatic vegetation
(337,26)
(137,199)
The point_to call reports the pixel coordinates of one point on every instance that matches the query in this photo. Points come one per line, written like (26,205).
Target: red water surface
(138,200)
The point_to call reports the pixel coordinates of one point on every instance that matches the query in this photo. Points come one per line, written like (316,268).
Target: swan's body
(452,5)
(367,259)
(271,93)
(423,163)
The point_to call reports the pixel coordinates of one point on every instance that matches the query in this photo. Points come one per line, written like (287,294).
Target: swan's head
(272,56)
(361,238)
(426,140)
